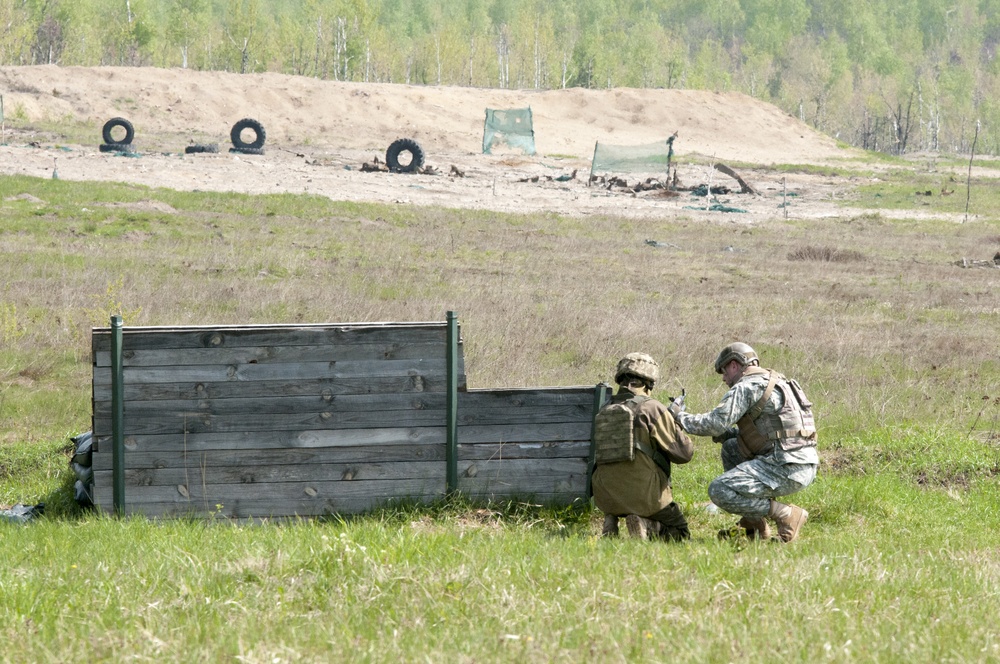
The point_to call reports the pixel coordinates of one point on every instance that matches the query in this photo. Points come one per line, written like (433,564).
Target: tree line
(897,76)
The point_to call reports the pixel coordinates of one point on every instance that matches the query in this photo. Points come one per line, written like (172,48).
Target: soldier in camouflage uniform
(768,436)
(636,441)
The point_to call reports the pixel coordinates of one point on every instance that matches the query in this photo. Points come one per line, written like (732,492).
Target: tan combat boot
(789,518)
(610,528)
(756,527)
(638,527)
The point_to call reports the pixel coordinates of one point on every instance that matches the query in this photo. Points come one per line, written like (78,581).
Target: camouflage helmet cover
(638,364)
(738,351)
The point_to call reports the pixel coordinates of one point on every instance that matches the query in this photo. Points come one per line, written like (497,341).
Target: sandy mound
(303,111)
(320,132)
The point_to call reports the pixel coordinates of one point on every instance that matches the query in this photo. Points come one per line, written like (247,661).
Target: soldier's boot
(610,528)
(789,518)
(756,527)
(638,527)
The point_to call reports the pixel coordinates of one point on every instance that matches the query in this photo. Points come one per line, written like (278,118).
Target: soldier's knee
(717,491)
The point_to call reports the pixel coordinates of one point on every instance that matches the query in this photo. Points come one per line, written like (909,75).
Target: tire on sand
(118,122)
(127,148)
(247,150)
(236,134)
(198,148)
(397,148)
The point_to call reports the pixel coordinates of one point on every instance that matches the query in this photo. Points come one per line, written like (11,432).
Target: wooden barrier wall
(283,420)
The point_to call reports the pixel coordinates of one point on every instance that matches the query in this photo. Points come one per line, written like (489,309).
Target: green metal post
(451,452)
(600,396)
(117,417)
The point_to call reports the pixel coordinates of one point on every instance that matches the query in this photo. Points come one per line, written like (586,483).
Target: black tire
(236,134)
(118,122)
(117,147)
(247,150)
(196,148)
(404,145)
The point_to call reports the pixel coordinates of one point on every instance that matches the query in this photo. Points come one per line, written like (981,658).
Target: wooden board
(549,450)
(275,457)
(273,354)
(151,338)
(245,440)
(265,508)
(296,387)
(275,372)
(263,475)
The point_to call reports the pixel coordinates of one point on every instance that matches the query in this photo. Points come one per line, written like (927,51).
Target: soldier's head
(637,371)
(733,361)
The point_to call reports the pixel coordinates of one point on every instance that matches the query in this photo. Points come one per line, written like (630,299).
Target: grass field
(896,345)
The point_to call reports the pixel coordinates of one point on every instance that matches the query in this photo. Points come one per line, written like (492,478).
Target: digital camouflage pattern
(747,485)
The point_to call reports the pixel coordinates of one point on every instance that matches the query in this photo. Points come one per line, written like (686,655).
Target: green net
(652,159)
(511,127)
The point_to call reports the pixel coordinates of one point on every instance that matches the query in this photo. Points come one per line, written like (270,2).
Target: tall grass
(895,344)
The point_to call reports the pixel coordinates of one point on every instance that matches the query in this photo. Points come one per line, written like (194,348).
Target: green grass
(894,344)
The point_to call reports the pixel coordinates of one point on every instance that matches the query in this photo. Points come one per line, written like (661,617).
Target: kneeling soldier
(636,441)
(768,434)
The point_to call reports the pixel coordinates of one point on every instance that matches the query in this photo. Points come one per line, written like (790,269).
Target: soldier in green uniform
(637,440)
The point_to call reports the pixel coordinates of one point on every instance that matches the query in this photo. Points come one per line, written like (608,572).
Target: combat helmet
(738,351)
(638,364)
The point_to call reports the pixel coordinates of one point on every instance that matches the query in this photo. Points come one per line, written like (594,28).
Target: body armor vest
(614,431)
(792,427)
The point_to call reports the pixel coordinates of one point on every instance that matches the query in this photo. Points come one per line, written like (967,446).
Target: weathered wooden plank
(515,450)
(289,388)
(269,508)
(475,442)
(213,494)
(521,397)
(245,440)
(271,372)
(265,475)
(518,469)
(200,422)
(150,338)
(280,405)
(525,433)
(273,354)
(195,422)
(523,486)
(276,457)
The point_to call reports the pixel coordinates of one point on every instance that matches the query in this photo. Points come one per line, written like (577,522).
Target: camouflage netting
(512,127)
(651,159)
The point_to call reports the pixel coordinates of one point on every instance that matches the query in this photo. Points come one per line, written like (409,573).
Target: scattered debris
(716,207)
(455,170)
(965,262)
(376,165)
(658,244)
(22,513)
(744,187)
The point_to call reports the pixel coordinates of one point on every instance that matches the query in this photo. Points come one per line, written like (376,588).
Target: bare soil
(320,133)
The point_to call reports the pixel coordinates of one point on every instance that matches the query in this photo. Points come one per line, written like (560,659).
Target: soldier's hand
(731,432)
(677,406)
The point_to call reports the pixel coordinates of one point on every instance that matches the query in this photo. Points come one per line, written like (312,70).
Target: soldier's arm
(664,432)
(723,417)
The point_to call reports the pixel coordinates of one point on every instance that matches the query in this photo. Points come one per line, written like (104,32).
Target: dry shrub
(827,255)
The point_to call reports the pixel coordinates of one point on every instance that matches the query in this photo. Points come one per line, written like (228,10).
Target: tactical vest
(791,428)
(615,438)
